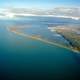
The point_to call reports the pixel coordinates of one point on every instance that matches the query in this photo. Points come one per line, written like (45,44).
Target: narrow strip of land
(40,39)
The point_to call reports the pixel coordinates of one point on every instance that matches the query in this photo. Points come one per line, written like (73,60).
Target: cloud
(62,12)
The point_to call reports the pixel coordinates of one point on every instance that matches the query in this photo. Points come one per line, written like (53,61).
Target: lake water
(22,58)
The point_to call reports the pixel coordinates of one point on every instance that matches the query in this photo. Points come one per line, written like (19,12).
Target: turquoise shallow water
(22,58)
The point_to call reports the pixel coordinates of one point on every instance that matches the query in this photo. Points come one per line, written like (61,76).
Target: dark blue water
(22,58)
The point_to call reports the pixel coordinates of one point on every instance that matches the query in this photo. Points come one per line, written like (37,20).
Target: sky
(39,3)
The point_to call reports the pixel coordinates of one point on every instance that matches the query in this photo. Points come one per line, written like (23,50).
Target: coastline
(40,39)
(70,34)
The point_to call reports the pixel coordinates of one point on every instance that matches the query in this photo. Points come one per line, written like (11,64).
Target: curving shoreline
(40,39)
(71,34)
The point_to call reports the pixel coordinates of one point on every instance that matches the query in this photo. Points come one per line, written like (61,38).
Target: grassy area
(71,35)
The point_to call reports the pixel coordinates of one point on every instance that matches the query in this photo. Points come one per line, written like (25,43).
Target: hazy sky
(39,3)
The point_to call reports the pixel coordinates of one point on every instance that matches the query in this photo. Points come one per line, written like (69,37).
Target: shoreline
(42,40)
(70,35)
